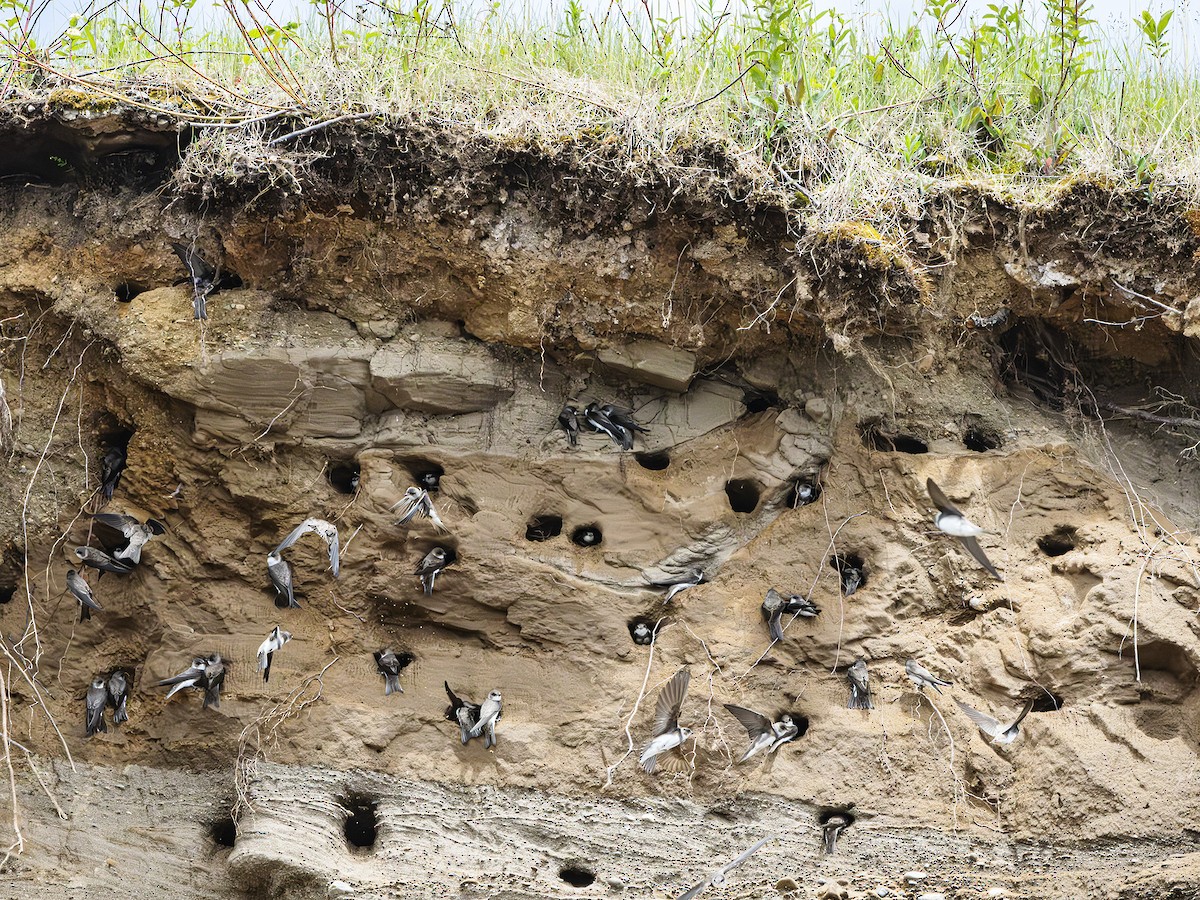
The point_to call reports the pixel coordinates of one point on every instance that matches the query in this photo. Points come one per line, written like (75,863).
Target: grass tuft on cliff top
(841,119)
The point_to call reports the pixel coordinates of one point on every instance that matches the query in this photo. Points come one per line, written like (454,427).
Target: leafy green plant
(1155,32)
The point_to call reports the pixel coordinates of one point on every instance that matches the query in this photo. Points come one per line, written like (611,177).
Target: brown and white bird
(83,593)
(860,686)
(418,504)
(668,735)
(94,703)
(999,733)
(266,650)
(136,534)
(324,530)
(922,677)
(764,734)
(429,569)
(951,521)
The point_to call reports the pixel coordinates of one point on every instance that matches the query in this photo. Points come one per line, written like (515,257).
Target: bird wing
(196,265)
(756,724)
(775,625)
(670,699)
(733,864)
(298,532)
(127,525)
(940,500)
(696,889)
(986,723)
(972,545)
(1024,713)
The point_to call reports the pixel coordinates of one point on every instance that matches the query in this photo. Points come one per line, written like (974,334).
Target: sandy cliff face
(436,321)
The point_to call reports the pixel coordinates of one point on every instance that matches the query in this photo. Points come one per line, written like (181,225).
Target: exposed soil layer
(415,306)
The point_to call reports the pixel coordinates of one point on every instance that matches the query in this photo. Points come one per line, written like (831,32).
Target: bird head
(785,719)
(97,682)
(285,636)
(439,554)
(495,697)
(81,552)
(686,733)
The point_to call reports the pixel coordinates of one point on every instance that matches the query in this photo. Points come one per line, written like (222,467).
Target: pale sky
(1115,16)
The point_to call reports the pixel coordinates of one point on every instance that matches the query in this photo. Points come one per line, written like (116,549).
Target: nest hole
(801,493)
(875,438)
(852,571)
(587,536)
(761,401)
(577,876)
(1047,701)
(8,590)
(655,461)
(743,495)
(343,476)
(978,439)
(361,825)
(223,831)
(641,630)
(828,812)
(799,719)
(127,290)
(542,528)
(426,474)
(1061,540)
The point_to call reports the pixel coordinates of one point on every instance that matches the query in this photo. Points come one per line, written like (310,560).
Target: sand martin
(325,530)
(922,677)
(202,274)
(430,567)
(279,570)
(860,688)
(136,534)
(668,735)
(951,521)
(764,734)
(568,421)
(1000,734)
(111,467)
(94,703)
(717,878)
(775,606)
(118,696)
(417,503)
(390,664)
(620,435)
(98,559)
(266,650)
(83,593)
(463,712)
(489,715)
(211,680)
(189,677)
(681,583)
(832,827)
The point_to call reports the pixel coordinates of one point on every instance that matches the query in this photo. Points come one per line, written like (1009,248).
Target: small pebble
(915,877)
(786,886)
(996,892)
(937,895)
(881,891)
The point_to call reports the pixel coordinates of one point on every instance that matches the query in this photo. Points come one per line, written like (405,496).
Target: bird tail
(489,739)
(859,700)
(830,841)
(392,685)
(466,734)
(120,714)
(200,307)
(212,697)
(84,612)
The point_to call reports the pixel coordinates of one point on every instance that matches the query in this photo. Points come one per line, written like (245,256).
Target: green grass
(843,123)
